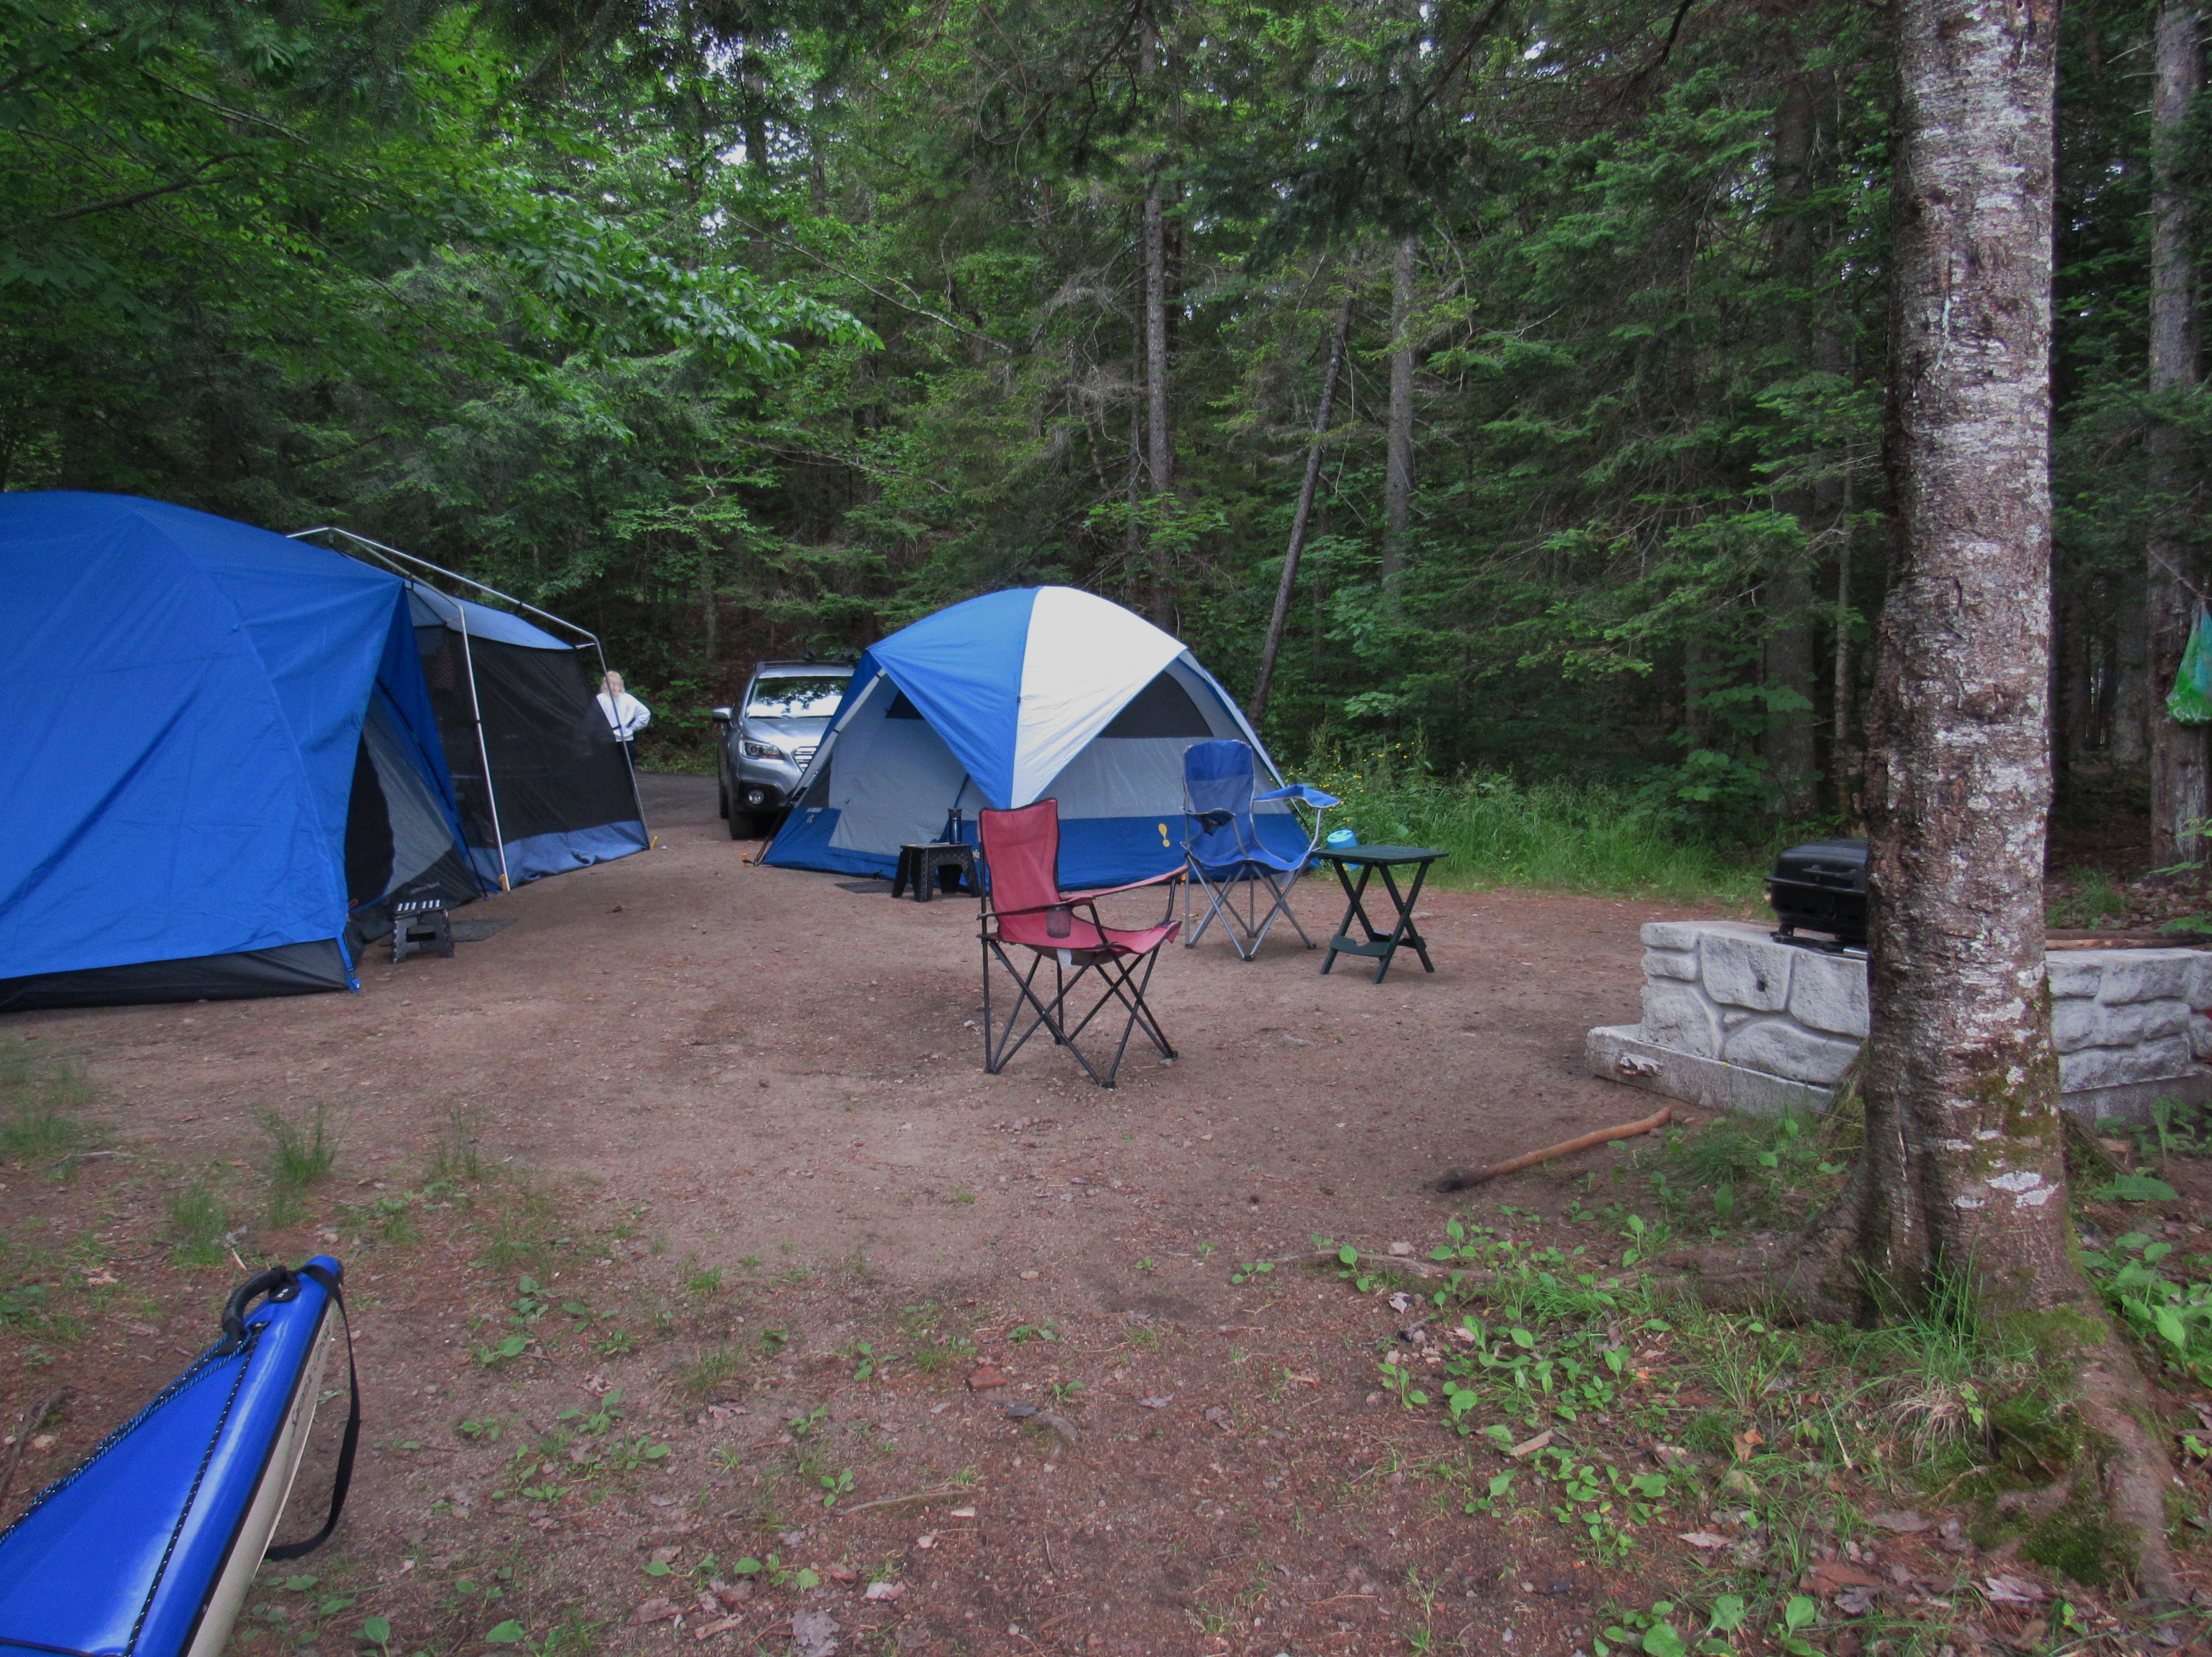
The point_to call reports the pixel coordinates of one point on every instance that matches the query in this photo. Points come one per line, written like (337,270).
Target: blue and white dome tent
(1005,700)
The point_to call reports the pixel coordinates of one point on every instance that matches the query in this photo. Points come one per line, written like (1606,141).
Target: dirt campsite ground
(708,1296)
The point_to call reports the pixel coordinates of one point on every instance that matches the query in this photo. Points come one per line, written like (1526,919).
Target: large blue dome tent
(221,766)
(1005,700)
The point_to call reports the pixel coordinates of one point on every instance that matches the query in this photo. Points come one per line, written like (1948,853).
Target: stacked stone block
(1733,1018)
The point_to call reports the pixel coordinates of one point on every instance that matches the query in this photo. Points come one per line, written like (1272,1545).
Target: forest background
(738,329)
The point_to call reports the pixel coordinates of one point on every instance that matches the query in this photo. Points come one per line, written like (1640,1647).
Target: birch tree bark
(1963,1175)
(1961,1064)
(2177,751)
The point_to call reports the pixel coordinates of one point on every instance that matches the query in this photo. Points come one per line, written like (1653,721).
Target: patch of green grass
(457,1153)
(301,1154)
(1744,1170)
(40,1100)
(705,1282)
(2089,899)
(707,1374)
(927,1347)
(198,1221)
(1498,830)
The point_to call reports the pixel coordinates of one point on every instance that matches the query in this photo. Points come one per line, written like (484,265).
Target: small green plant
(457,1151)
(1245,1273)
(864,1367)
(504,1352)
(629,1454)
(705,1282)
(1148,1264)
(197,1223)
(481,1432)
(393,1219)
(599,1418)
(776,1573)
(376,1631)
(301,1155)
(929,1349)
(964,1195)
(1028,1332)
(615,1344)
(2174,1317)
(834,1486)
(709,1374)
(803,1426)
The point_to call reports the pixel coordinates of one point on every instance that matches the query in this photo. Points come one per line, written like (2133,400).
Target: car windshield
(796,696)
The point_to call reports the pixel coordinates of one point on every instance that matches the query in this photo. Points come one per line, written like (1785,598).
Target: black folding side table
(1381,945)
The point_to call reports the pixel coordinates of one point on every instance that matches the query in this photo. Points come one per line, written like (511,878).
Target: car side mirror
(720,715)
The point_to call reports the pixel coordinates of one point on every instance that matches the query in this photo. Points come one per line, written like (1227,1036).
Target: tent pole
(476,713)
(387,554)
(629,756)
(390,553)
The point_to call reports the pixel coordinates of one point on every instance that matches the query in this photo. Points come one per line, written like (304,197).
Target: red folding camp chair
(1024,907)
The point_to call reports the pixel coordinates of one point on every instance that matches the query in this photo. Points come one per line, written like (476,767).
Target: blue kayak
(148,1548)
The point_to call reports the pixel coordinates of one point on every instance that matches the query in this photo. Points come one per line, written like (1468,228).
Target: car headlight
(762,751)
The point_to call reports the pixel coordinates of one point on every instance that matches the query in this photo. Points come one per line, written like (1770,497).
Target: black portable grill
(1821,886)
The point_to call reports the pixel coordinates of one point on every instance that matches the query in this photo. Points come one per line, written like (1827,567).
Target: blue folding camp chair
(1223,847)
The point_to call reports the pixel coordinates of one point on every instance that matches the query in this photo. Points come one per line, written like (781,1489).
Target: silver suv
(769,739)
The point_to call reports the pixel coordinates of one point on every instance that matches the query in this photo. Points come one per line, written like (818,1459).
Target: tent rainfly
(221,766)
(1005,700)
(543,786)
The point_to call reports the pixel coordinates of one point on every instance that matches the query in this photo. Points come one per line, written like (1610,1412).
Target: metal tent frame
(408,568)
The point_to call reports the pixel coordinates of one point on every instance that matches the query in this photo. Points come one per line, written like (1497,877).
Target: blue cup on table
(1342,840)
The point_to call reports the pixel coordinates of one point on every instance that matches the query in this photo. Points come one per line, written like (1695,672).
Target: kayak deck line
(148,1546)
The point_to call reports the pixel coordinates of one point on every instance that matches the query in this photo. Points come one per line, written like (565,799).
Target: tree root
(2117,1406)
(1790,1279)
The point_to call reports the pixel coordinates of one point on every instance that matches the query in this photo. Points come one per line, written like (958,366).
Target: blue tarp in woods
(184,705)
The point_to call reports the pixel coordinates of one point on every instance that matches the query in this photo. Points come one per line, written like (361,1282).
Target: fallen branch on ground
(918,1496)
(1459,1179)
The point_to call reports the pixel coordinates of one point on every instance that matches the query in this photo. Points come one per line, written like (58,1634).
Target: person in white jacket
(625,714)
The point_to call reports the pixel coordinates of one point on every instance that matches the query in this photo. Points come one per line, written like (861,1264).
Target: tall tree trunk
(1790,667)
(2177,751)
(1161,448)
(2127,737)
(1963,1173)
(1398,469)
(1962,1081)
(2069,716)
(1273,642)
(1844,773)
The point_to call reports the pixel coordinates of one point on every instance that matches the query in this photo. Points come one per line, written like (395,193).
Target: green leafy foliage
(2174,1315)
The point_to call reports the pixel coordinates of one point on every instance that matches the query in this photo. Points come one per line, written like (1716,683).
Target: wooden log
(1460,1179)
